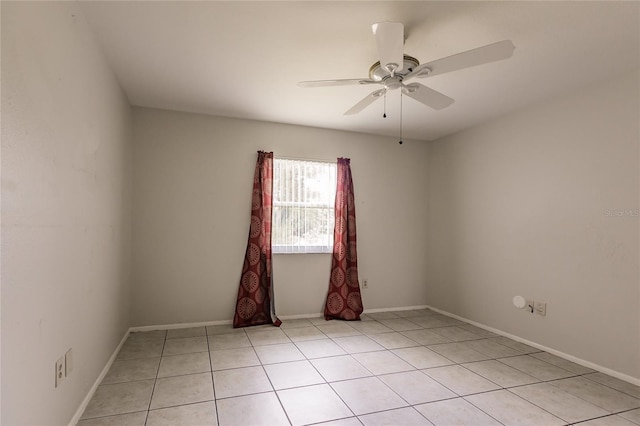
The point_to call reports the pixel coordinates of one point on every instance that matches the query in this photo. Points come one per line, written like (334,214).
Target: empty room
(320,213)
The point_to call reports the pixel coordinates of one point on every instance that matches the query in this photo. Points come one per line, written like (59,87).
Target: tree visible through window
(303,206)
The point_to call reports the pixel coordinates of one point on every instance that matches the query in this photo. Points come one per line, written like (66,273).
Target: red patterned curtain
(344,301)
(255,304)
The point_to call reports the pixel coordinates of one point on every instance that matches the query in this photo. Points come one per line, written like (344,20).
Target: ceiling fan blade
(368,100)
(470,58)
(390,40)
(429,97)
(344,82)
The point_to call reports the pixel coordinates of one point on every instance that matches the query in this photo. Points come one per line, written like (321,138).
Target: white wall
(192,183)
(66,210)
(521,206)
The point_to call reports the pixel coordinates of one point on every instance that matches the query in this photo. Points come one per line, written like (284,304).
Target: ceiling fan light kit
(395,68)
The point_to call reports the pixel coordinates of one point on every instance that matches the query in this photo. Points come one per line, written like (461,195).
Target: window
(303,206)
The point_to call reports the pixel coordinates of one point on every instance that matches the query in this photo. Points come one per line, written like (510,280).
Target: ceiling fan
(395,68)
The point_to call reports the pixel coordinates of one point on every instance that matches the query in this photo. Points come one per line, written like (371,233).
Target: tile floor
(392,368)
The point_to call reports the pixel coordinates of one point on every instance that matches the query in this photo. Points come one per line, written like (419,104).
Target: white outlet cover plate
(68,362)
(60,370)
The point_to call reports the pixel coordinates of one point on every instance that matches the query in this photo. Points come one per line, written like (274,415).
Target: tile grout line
(213,385)
(155,381)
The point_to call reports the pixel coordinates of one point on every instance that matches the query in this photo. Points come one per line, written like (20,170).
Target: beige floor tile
(313,404)
(351,421)
(382,315)
(338,329)
(415,387)
(284,352)
(357,344)
(131,419)
(292,374)
(510,409)
(301,334)
(500,374)
(135,349)
(562,363)
(201,414)
(525,349)
(559,403)
(425,337)
(612,382)
(393,340)
(139,336)
(119,398)
(180,333)
(262,409)
(412,353)
(401,416)
(319,320)
(342,367)
(367,395)
(370,327)
(633,415)
(383,362)
(536,367)
(455,334)
(320,348)
(400,324)
(491,348)
(597,394)
(222,329)
(233,358)
(179,365)
(421,357)
(460,380)
(613,420)
(458,352)
(455,412)
(448,321)
(240,381)
(228,341)
(293,323)
(477,330)
(185,345)
(267,336)
(128,370)
(429,321)
(180,390)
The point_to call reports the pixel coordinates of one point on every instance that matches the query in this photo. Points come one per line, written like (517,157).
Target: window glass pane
(303,206)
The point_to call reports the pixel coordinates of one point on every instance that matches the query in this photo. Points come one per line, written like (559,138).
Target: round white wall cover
(519,302)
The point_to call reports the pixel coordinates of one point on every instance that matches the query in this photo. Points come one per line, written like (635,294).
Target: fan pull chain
(400,142)
(384,111)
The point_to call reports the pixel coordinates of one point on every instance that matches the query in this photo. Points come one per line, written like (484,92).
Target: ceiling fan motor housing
(379,73)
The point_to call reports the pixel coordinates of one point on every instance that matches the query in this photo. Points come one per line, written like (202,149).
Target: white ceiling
(243,59)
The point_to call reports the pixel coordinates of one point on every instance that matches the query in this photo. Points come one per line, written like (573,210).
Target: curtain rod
(315,160)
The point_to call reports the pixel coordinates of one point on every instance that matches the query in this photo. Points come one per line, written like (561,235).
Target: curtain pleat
(255,304)
(343,299)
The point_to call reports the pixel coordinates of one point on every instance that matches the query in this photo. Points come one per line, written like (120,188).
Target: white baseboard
(400,308)
(80,411)
(580,361)
(179,325)
(302,316)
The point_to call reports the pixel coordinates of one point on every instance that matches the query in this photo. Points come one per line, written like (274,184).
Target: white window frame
(283,194)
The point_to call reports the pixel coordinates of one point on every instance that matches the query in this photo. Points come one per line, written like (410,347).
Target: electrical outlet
(68,362)
(59,371)
(365,283)
(540,308)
